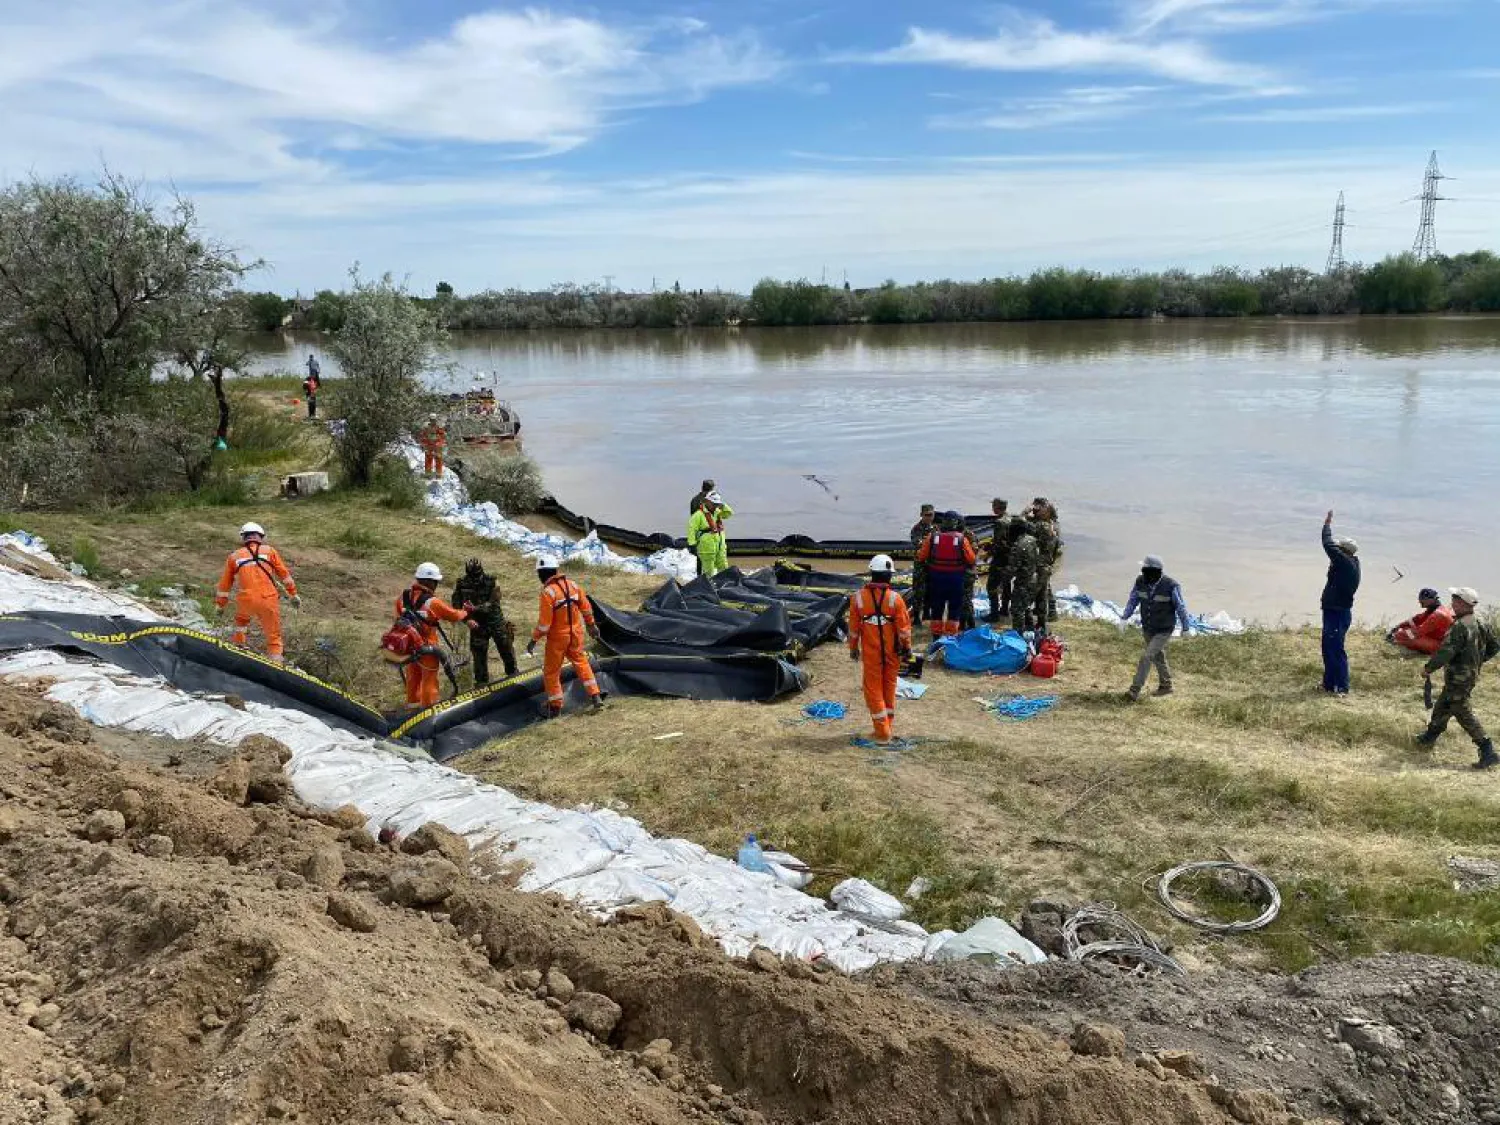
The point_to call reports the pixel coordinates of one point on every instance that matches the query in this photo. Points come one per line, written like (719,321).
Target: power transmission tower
(1425,246)
(1336,251)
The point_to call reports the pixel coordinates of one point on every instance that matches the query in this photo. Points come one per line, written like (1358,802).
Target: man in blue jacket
(1338,606)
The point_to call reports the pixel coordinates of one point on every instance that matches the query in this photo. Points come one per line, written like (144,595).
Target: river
(1218,444)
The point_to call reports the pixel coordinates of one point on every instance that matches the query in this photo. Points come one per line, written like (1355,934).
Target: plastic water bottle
(751,857)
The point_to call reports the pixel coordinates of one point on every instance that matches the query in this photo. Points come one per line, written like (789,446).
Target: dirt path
(201,948)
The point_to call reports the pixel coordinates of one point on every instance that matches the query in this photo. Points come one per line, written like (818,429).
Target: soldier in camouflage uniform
(480,590)
(1024,562)
(971,578)
(1049,550)
(997,586)
(1464,650)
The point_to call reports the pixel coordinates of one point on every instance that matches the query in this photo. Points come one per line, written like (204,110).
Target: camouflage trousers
(1453,703)
(998,586)
(1044,605)
(1022,602)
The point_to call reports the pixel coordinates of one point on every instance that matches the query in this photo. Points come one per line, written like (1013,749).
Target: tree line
(1398,284)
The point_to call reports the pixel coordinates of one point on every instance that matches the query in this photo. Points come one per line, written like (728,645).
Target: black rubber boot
(1488,759)
(1427,738)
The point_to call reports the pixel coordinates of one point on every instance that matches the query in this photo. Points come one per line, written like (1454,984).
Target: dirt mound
(1386,1039)
(204,960)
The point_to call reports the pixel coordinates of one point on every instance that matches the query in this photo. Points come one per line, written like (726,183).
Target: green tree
(265,312)
(327,311)
(89,279)
(205,344)
(444,289)
(1401,284)
(384,345)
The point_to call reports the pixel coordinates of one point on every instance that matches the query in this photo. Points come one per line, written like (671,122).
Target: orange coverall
(421,675)
(564,617)
(434,442)
(250,568)
(1424,633)
(880,633)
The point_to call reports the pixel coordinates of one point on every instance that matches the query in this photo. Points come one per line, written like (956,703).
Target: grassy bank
(1327,795)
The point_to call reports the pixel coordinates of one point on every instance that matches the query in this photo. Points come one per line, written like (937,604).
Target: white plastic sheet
(1073,602)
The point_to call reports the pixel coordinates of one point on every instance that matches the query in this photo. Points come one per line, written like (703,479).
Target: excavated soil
(184,942)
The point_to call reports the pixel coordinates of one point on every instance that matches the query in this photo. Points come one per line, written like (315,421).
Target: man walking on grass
(1162,610)
(1464,651)
(1338,606)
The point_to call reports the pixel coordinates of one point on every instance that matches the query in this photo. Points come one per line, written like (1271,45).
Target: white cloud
(1315,114)
(237,92)
(1082,105)
(1040,45)
(1206,17)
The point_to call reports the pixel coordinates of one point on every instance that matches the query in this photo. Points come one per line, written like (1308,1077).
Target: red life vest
(947,553)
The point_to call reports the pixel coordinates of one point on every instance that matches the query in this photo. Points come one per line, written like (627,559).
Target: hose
(1105,917)
(1272,897)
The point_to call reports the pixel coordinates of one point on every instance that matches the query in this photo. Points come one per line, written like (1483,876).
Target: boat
(478,417)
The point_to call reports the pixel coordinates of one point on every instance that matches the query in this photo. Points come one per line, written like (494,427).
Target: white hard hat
(882,564)
(714,498)
(252,529)
(432,417)
(547,562)
(429,572)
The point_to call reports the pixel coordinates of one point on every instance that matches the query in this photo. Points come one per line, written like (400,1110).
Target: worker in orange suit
(880,638)
(252,573)
(434,442)
(419,603)
(564,617)
(949,557)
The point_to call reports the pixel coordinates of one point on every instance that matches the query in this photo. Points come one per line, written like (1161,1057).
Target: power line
(1425,245)
(1336,251)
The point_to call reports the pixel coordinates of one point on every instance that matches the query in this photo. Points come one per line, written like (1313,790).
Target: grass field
(1327,795)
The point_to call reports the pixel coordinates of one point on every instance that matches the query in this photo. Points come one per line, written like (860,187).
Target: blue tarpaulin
(984,650)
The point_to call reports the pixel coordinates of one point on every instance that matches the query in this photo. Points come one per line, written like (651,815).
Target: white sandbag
(788,869)
(935,942)
(993,941)
(865,899)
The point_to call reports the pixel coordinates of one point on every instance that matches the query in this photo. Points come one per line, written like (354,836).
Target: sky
(710,143)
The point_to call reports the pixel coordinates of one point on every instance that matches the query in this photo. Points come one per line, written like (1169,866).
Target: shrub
(395,485)
(512,483)
(86,554)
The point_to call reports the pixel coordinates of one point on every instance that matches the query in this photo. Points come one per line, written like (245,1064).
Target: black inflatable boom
(198,662)
(730,614)
(796,546)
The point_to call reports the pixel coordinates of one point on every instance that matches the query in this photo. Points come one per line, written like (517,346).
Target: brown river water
(1217,444)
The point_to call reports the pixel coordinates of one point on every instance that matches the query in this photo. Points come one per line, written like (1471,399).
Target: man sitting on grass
(1424,632)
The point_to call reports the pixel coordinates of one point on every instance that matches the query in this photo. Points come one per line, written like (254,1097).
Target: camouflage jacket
(1048,545)
(1463,652)
(1025,558)
(1000,544)
(483,594)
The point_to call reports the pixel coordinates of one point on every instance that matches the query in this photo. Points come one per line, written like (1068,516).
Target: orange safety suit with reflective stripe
(434,442)
(1424,633)
(564,617)
(421,675)
(880,633)
(249,570)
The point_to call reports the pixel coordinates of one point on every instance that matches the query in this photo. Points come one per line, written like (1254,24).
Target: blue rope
(824,711)
(1020,706)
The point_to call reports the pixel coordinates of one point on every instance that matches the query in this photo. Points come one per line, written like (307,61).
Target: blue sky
(496,145)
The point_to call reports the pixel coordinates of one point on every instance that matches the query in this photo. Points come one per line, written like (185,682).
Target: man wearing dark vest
(1162,610)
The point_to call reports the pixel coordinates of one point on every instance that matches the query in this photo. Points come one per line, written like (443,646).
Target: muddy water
(1216,444)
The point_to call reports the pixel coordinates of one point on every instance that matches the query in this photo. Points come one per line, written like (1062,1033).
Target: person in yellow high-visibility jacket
(705,534)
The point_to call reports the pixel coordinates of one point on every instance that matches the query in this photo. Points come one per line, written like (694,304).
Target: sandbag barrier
(731,615)
(199,662)
(794,546)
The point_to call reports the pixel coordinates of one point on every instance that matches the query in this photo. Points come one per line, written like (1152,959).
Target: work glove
(296,600)
(594,631)
(906,653)
(219,610)
(531,649)
(854,654)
